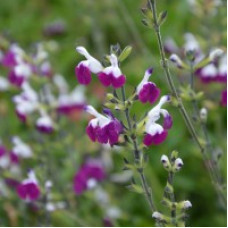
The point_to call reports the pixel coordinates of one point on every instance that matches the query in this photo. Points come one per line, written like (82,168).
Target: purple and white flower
(88,175)
(155,133)
(68,102)
(214,72)
(21,149)
(12,56)
(112,75)
(19,74)
(29,189)
(26,102)
(104,129)
(84,69)
(44,123)
(147,91)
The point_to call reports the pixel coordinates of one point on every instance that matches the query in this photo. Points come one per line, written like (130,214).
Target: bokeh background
(96,25)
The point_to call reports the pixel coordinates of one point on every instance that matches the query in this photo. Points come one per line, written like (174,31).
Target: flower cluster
(108,76)
(41,102)
(106,129)
(208,68)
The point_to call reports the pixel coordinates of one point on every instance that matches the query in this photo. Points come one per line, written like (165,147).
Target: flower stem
(181,107)
(164,63)
(212,166)
(137,154)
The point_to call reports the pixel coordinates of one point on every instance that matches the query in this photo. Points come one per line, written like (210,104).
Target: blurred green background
(96,24)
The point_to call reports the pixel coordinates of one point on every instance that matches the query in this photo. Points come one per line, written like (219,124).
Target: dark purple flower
(28,191)
(44,124)
(147,91)
(84,69)
(14,158)
(2,150)
(83,74)
(87,176)
(155,133)
(111,80)
(112,75)
(21,116)
(15,79)
(105,134)
(103,129)
(156,139)
(9,59)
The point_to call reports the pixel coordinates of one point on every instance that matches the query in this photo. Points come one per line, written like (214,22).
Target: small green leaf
(136,188)
(125,53)
(162,17)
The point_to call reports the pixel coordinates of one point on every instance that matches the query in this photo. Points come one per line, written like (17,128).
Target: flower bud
(165,162)
(177,61)
(157,215)
(178,164)
(203,114)
(48,184)
(187,204)
(109,96)
(215,54)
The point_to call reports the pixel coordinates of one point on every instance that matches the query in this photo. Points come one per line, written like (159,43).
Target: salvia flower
(214,54)
(68,102)
(88,175)
(44,123)
(28,189)
(19,74)
(26,102)
(4,158)
(155,133)
(104,129)
(177,61)
(191,44)
(112,75)
(10,59)
(147,91)
(84,69)
(20,148)
(214,72)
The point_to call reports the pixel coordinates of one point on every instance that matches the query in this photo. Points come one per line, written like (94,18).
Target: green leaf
(125,53)
(135,188)
(162,17)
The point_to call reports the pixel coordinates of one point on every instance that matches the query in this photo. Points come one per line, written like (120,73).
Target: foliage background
(96,25)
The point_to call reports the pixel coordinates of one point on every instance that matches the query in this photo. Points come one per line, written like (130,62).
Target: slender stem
(137,153)
(212,167)
(164,63)
(179,100)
